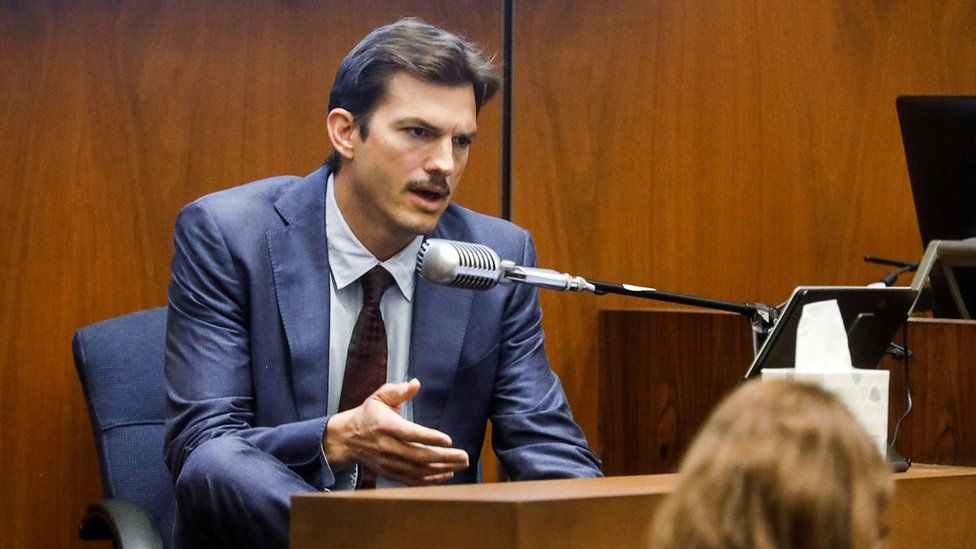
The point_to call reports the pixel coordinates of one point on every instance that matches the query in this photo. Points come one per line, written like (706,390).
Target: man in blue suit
(303,352)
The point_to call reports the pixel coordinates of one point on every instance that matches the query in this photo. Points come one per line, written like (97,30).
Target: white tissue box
(865,392)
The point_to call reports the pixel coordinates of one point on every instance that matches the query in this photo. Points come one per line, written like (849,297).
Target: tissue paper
(821,340)
(823,357)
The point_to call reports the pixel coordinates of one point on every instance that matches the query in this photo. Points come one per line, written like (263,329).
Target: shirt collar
(349,259)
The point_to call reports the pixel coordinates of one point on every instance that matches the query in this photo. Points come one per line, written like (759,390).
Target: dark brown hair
(416,48)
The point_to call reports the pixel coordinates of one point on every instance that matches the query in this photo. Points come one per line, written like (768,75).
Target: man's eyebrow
(421,123)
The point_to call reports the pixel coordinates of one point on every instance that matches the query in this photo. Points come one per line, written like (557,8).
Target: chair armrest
(125,522)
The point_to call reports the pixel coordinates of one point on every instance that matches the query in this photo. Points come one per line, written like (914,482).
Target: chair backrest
(120,364)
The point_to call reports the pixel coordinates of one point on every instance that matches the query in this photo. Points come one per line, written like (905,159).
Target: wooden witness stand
(662,372)
(933,503)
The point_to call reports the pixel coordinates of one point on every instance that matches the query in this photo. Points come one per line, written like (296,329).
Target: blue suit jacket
(247,350)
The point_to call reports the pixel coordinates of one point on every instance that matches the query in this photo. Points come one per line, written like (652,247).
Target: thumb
(395,394)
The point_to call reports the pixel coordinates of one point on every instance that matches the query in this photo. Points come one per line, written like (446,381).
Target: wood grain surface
(733,149)
(663,372)
(930,504)
(942,371)
(112,116)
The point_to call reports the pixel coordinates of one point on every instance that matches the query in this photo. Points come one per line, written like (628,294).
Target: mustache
(436,181)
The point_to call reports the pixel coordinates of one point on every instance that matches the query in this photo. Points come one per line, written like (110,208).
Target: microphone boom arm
(762,317)
(478,267)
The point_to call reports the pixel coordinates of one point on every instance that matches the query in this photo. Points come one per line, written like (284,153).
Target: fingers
(430,459)
(395,448)
(396,468)
(400,467)
(416,464)
(423,455)
(407,431)
(411,479)
(395,394)
(434,479)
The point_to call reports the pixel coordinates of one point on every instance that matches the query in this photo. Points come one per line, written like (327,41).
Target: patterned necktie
(366,358)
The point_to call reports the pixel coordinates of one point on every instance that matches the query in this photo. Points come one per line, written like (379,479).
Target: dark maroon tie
(366,358)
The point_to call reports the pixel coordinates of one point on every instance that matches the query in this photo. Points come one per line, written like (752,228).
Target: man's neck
(378,239)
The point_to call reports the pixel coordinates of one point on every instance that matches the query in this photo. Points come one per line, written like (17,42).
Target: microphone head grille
(459,264)
(420,256)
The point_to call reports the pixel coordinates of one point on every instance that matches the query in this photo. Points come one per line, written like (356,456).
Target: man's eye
(418,132)
(462,142)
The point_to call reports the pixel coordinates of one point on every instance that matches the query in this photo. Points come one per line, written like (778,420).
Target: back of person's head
(778,465)
(413,47)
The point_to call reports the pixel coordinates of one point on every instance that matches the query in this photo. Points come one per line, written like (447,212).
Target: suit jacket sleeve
(533,431)
(208,364)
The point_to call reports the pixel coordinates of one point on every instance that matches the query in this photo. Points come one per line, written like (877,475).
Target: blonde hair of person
(778,465)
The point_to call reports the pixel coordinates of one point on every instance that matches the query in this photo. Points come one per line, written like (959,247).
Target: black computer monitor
(939,135)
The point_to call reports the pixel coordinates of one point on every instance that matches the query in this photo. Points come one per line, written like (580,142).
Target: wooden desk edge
(563,489)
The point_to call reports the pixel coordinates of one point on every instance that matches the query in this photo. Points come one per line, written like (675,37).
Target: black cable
(892,277)
(908,399)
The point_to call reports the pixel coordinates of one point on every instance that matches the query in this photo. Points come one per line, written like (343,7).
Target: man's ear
(343,131)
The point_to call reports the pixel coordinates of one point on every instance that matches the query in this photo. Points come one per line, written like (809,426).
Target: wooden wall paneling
(942,425)
(733,149)
(663,372)
(112,116)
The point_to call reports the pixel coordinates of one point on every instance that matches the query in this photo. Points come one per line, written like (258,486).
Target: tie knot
(375,282)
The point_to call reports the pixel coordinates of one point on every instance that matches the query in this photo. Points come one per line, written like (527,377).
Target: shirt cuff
(344,479)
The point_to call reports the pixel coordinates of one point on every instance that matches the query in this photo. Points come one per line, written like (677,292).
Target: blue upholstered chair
(120,364)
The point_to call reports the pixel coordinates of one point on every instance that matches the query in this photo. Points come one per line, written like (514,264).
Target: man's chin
(425,223)
(425,229)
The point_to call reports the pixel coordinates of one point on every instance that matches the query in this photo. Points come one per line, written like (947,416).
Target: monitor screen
(939,136)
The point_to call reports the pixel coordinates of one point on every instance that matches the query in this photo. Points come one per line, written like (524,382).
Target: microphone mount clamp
(546,278)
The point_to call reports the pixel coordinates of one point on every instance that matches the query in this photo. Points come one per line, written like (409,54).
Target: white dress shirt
(348,261)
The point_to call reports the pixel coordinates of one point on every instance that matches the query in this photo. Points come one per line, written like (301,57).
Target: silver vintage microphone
(478,267)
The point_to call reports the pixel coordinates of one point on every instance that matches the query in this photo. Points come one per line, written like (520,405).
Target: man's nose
(441,159)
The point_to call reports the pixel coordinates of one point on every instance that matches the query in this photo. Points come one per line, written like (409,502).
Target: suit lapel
(300,262)
(302,276)
(440,318)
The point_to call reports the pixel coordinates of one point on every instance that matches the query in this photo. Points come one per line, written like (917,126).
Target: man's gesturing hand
(373,434)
